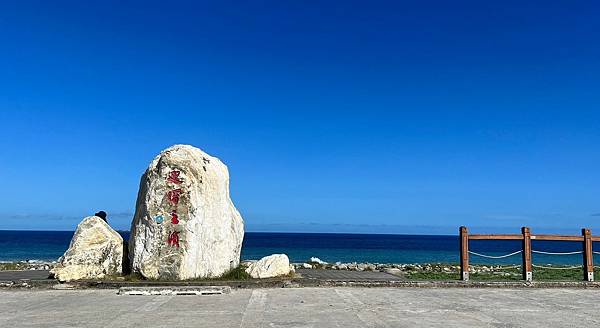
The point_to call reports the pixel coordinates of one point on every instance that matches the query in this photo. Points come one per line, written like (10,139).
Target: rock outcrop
(96,250)
(185,224)
(270,266)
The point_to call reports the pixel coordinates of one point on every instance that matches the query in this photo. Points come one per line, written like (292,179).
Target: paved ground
(306,307)
(24,274)
(346,275)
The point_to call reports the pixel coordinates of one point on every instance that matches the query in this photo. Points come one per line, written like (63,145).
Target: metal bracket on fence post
(588,255)
(464,253)
(527,268)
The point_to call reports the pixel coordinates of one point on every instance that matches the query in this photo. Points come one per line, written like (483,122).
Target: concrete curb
(175,290)
(290,283)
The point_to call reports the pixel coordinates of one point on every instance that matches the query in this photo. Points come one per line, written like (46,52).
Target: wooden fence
(526,237)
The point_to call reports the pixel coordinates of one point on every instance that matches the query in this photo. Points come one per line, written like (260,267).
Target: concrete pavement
(345,275)
(306,307)
(24,274)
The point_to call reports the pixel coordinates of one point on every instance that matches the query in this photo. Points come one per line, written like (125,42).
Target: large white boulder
(185,224)
(96,251)
(270,266)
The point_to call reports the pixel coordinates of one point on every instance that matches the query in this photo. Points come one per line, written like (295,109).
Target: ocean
(329,247)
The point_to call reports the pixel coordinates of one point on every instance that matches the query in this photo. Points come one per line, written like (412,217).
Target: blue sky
(387,117)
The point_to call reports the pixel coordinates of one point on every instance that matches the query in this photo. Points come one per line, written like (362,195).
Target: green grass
(238,273)
(561,275)
(539,274)
(10,266)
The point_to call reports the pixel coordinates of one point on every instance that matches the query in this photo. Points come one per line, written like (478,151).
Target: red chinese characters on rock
(174,177)
(174,217)
(173,239)
(173,196)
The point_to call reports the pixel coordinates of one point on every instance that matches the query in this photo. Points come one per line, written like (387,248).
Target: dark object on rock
(101,215)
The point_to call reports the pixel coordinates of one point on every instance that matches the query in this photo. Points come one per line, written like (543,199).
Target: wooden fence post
(527,271)
(588,255)
(464,253)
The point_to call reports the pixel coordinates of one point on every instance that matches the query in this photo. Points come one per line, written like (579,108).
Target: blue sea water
(374,248)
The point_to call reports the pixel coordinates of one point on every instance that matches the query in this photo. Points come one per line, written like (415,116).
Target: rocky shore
(401,269)
(397,268)
(353,266)
(27,265)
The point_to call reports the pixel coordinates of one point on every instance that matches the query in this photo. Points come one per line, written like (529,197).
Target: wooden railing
(526,237)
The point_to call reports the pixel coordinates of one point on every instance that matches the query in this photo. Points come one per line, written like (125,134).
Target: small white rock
(394,271)
(270,266)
